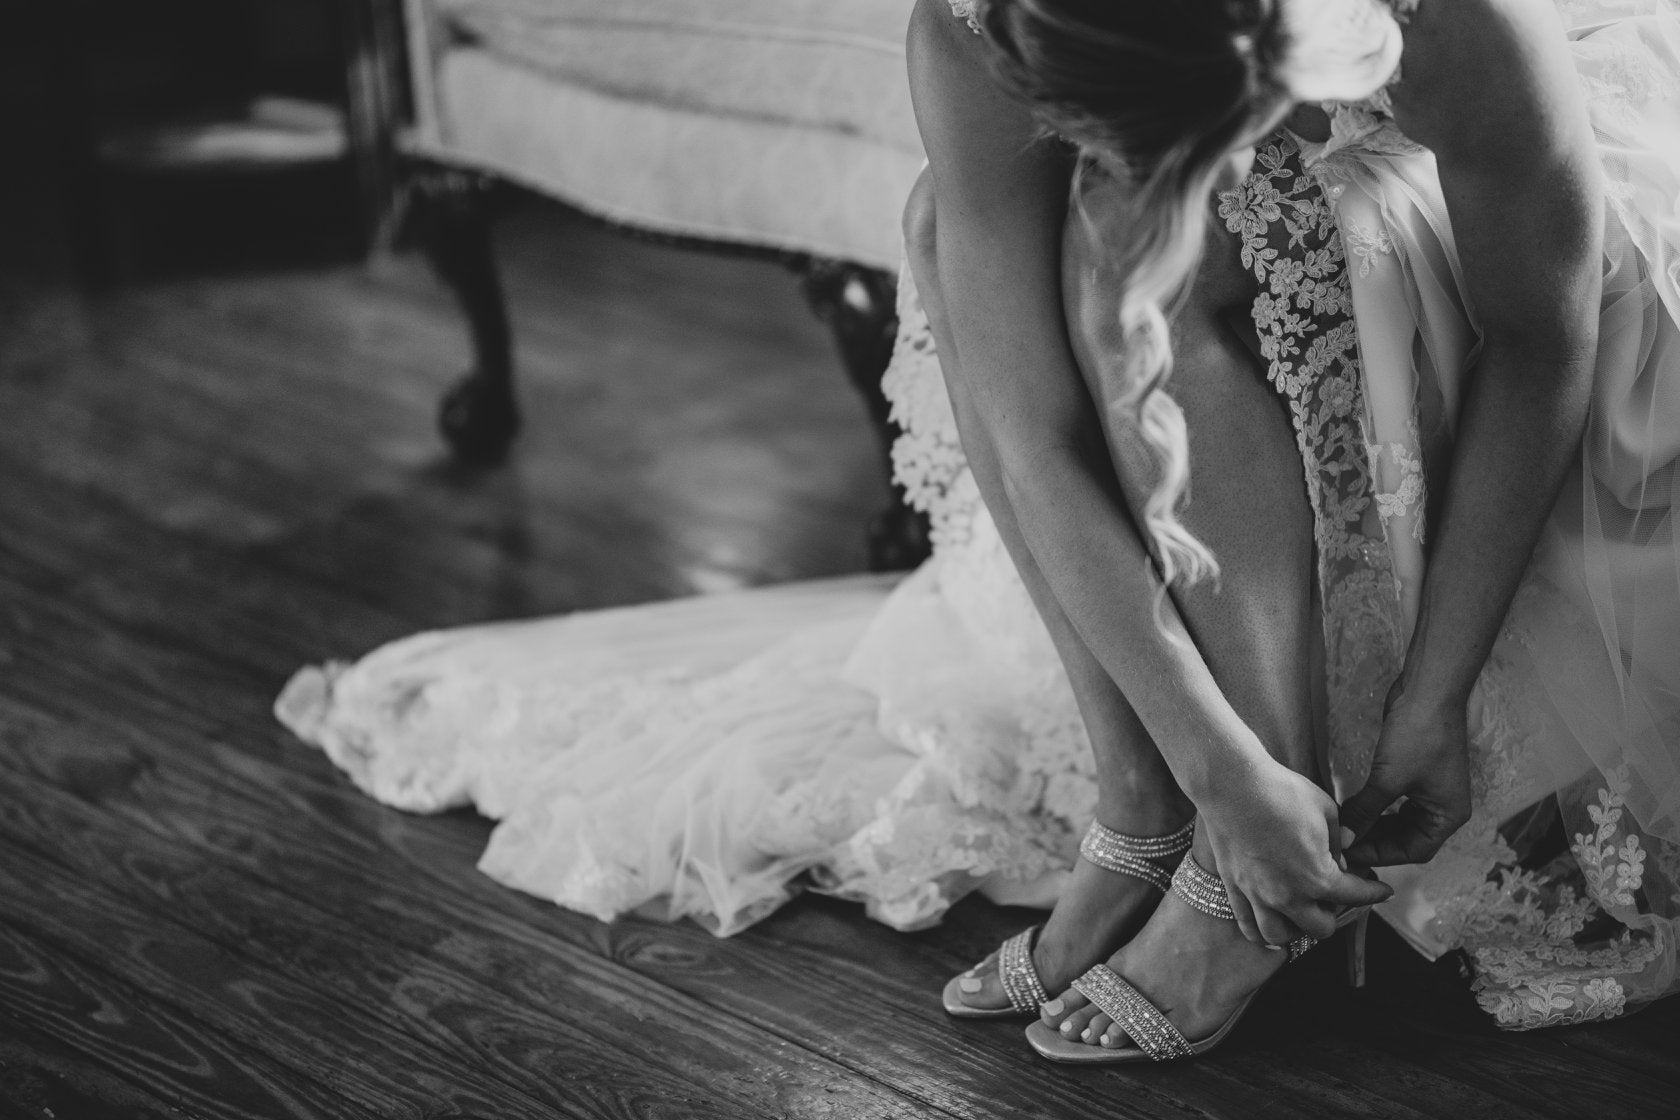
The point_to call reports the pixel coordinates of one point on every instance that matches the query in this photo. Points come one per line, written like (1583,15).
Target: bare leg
(1248,503)
(1137,794)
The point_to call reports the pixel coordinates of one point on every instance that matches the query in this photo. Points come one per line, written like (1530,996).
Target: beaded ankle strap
(1205,891)
(1131,855)
(1202,889)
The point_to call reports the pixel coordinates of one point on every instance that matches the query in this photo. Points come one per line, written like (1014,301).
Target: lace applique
(1020,820)
(1367,245)
(927,456)
(1304,317)
(1397,470)
(1613,870)
(966,9)
(1620,80)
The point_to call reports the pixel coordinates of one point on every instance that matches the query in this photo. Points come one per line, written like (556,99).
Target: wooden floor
(207,481)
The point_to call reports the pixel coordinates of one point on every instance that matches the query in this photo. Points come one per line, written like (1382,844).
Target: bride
(1166,262)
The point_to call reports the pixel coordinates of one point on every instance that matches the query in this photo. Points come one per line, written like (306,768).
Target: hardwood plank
(789,987)
(84,1042)
(107,702)
(285,947)
(42,1079)
(352,1053)
(918,1066)
(820,958)
(226,416)
(1647,1041)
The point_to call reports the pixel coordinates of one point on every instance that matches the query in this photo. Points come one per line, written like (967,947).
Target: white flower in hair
(1338,50)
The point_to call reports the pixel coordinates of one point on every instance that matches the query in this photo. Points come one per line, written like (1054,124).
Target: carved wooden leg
(858,304)
(449,217)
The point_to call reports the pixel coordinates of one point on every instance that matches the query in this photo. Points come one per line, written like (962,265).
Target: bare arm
(1521,180)
(1033,436)
(992,282)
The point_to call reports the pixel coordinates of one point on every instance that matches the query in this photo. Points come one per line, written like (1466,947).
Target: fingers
(1412,834)
(1348,889)
(1245,916)
(1361,811)
(1316,921)
(1274,926)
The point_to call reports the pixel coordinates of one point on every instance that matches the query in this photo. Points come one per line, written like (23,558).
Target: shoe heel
(1356,950)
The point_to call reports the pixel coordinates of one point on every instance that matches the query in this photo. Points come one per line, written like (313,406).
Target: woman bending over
(1325,417)
(1478,385)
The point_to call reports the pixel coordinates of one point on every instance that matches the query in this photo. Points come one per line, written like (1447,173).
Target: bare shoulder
(1489,81)
(981,144)
(949,78)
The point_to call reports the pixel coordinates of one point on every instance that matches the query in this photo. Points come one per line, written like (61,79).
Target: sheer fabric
(906,744)
(1581,697)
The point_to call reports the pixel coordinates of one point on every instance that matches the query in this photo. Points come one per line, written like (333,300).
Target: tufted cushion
(779,123)
(833,65)
(734,179)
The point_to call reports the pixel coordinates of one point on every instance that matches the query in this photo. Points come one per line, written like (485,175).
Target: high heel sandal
(1137,856)
(1153,1034)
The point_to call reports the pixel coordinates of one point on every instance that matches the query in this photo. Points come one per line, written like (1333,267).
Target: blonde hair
(1161,94)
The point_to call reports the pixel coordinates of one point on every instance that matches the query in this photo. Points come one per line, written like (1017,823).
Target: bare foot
(1098,912)
(1195,968)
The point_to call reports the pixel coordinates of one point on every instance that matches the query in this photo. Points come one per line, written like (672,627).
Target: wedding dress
(906,742)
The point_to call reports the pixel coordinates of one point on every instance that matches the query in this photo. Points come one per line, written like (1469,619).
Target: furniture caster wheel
(899,539)
(479,419)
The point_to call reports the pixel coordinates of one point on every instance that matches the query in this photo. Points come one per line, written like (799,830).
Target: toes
(982,991)
(1115,1039)
(980,987)
(984,969)
(1074,1023)
(1059,1008)
(1095,1029)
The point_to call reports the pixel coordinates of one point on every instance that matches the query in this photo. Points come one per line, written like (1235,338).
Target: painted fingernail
(1348,837)
(1054,1007)
(970,985)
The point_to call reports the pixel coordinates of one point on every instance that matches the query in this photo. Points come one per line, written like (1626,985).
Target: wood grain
(98,1021)
(270,958)
(796,985)
(819,967)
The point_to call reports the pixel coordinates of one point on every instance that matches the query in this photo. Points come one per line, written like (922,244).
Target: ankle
(1201,850)
(1144,812)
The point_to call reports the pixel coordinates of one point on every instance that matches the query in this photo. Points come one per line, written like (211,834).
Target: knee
(919,232)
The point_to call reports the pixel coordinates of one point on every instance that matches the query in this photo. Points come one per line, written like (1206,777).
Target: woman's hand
(1422,755)
(1276,840)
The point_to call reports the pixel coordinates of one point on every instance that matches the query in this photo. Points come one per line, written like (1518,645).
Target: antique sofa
(780,127)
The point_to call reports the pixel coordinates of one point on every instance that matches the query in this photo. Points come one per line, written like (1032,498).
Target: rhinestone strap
(1131,855)
(1020,979)
(1300,945)
(1141,1020)
(1202,889)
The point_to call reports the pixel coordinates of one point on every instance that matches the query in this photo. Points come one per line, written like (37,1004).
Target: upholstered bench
(775,126)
